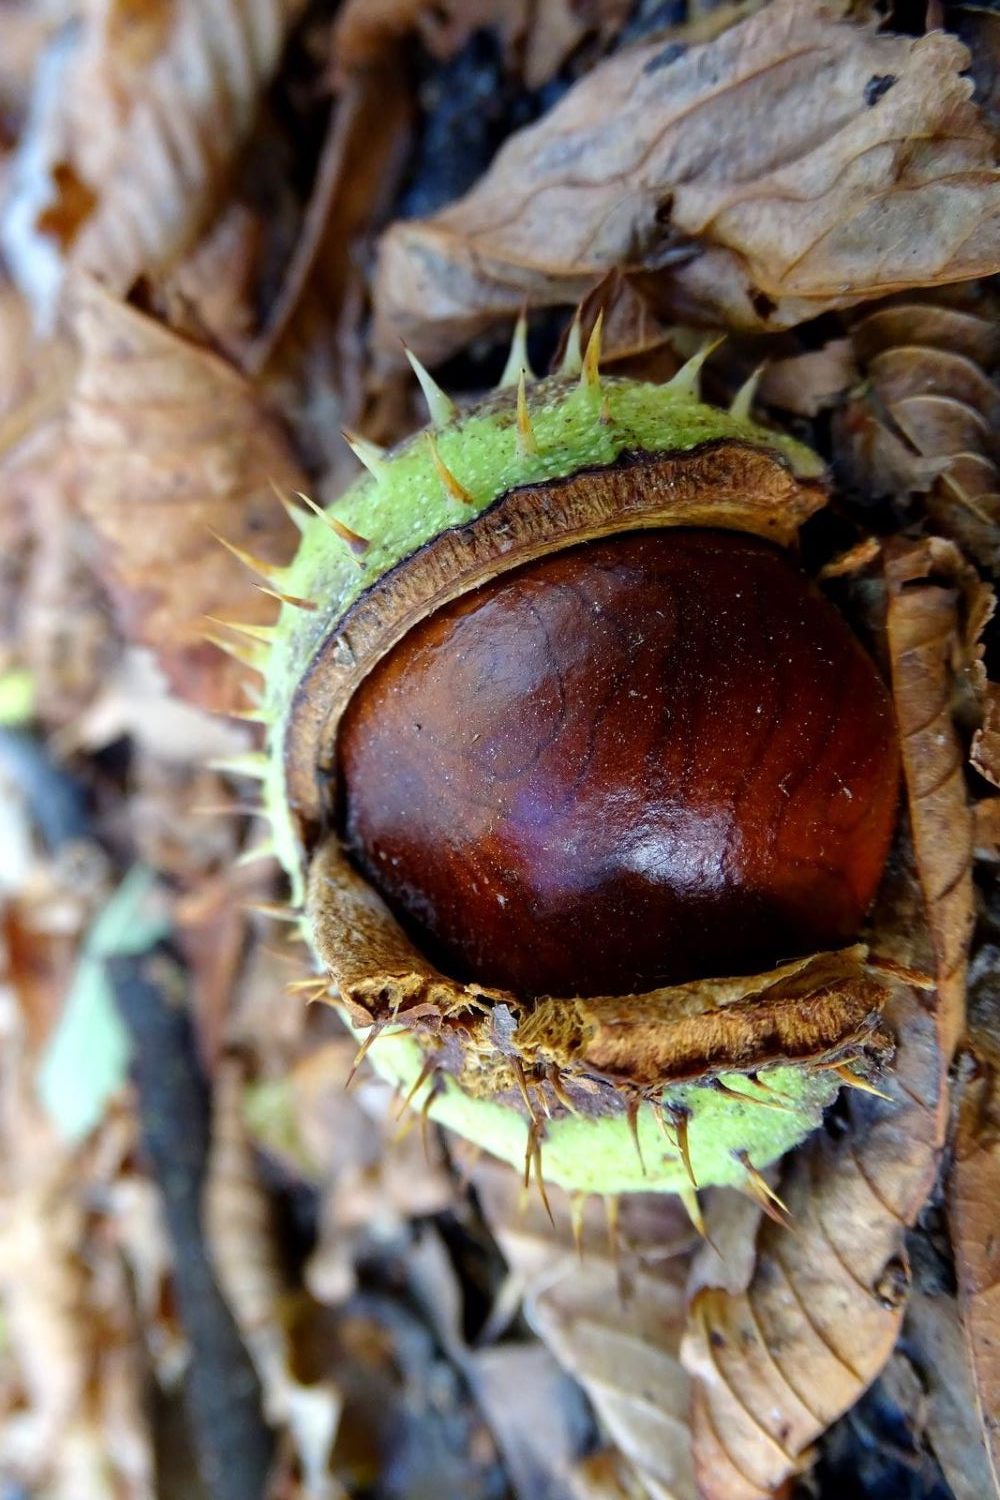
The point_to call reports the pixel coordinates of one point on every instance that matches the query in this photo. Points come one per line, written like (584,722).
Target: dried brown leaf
(40,565)
(363,157)
(240,1227)
(614,1318)
(607,1475)
(926,422)
(776,1365)
(855,164)
(511,1382)
(373,1167)
(986,744)
(936,1342)
(808,383)
(165,108)
(973,1191)
(208,297)
(986,813)
(243,1242)
(68,639)
(173,445)
(924,636)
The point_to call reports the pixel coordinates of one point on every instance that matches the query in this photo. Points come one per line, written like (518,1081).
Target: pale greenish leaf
(86,1059)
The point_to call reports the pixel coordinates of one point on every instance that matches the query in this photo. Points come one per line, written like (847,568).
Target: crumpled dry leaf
(73,1372)
(373,1169)
(891,185)
(208,296)
(936,1342)
(173,445)
(242,1238)
(927,420)
(924,633)
(163,109)
(808,383)
(614,1318)
(511,1382)
(635,340)
(52,615)
(68,639)
(778,1364)
(986,742)
(973,1191)
(359,169)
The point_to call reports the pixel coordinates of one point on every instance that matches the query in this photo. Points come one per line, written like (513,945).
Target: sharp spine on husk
(452,485)
(687,382)
(248,653)
(370,454)
(572,360)
(295,513)
(632,1106)
(254,764)
(292,600)
(265,634)
(590,374)
(760,1190)
(362,1052)
(853,1081)
(527,443)
(692,1207)
(272,573)
(518,363)
(265,850)
(356,544)
(441,407)
(742,403)
(679,1117)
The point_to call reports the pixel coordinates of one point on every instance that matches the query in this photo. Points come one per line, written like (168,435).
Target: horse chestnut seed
(630,763)
(554,725)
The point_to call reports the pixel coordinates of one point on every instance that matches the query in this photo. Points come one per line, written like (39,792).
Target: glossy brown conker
(637,761)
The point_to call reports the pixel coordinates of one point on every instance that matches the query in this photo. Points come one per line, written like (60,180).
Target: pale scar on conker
(582,788)
(633,763)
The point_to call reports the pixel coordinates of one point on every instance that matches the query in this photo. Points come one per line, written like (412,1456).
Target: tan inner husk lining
(816,1011)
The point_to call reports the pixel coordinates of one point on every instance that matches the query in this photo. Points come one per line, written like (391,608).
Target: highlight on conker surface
(632,763)
(562,746)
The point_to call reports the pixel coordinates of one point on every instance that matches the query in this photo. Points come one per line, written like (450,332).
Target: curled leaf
(926,421)
(881,178)
(173,446)
(776,1365)
(613,1315)
(193,83)
(244,1245)
(924,635)
(973,1190)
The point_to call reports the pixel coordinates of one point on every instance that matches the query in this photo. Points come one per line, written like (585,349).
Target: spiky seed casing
(599,1089)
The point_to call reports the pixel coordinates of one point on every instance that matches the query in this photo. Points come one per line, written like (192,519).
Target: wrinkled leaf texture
(855,164)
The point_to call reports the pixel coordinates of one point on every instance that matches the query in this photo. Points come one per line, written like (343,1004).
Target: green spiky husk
(585,1155)
(577,426)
